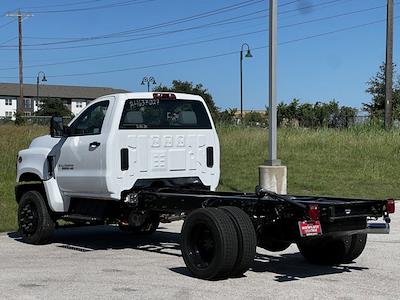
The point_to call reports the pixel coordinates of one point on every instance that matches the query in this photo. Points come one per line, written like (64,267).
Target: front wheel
(35,223)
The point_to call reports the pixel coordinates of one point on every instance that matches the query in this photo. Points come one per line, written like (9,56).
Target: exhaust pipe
(378,228)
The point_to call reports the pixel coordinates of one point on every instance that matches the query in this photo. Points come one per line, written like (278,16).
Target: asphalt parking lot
(102,262)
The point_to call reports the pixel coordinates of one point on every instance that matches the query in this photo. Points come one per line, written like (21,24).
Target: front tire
(35,223)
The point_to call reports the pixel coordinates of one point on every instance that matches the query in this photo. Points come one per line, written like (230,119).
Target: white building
(74,97)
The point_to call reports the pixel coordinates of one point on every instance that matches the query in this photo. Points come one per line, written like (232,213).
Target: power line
(216,55)
(117,4)
(5,42)
(172,22)
(59,5)
(152,35)
(225,54)
(8,23)
(190,43)
(194,42)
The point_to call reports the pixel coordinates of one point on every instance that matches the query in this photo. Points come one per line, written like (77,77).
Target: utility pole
(273,175)
(19,14)
(389,66)
(272,112)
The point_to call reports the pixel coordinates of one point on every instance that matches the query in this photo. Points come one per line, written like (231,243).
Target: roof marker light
(164,96)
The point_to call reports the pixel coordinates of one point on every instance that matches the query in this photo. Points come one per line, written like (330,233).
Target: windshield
(164,114)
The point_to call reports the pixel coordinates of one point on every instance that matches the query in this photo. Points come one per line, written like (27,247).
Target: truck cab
(121,141)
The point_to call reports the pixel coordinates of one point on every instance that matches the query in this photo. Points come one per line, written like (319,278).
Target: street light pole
(248,54)
(148,81)
(37,84)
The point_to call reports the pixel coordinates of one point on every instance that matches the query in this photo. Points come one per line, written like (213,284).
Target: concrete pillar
(273,178)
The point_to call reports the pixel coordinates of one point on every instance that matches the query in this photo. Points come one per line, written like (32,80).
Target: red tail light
(313,212)
(166,96)
(390,206)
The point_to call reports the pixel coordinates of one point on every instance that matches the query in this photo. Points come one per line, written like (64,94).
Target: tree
(228,115)
(254,118)
(320,114)
(188,87)
(376,88)
(53,107)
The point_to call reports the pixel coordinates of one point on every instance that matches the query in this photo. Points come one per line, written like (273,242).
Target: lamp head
(248,53)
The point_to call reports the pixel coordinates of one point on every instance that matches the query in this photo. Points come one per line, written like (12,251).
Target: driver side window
(91,120)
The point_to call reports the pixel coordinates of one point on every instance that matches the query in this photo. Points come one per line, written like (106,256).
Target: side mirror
(56,127)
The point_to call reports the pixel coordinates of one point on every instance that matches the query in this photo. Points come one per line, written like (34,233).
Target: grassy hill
(359,162)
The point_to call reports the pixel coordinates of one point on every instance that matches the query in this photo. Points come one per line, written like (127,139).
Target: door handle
(93,145)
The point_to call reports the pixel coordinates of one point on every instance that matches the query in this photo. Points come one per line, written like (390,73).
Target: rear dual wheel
(218,242)
(328,250)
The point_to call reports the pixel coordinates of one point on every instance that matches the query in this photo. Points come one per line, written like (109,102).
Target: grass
(12,139)
(359,162)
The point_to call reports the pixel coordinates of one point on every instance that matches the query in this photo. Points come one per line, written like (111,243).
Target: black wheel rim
(28,219)
(201,246)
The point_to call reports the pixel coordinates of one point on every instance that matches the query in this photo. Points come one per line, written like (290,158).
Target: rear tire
(35,223)
(247,239)
(209,243)
(325,250)
(358,242)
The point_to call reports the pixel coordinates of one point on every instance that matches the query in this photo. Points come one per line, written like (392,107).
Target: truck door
(80,169)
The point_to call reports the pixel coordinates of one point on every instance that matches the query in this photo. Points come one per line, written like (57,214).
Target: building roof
(57,91)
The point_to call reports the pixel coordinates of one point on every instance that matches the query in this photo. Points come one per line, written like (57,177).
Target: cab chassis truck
(136,159)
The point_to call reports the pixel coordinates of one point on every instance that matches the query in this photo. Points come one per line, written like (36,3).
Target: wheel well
(20,189)
(29,177)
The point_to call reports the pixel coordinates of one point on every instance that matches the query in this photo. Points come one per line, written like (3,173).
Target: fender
(39,159)
(33,160)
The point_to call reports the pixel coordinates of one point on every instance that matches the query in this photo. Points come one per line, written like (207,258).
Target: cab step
(82,218)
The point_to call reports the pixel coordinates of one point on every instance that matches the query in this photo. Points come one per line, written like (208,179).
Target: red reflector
(313,212)
(390,206)
(166,96)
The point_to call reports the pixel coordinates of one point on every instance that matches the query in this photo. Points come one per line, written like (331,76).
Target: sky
(328,49)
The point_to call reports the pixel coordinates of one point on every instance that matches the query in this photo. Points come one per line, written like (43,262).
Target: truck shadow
(292,266)
(92,238)
(286,266)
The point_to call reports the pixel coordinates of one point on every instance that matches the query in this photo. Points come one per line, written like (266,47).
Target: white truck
(137,158)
